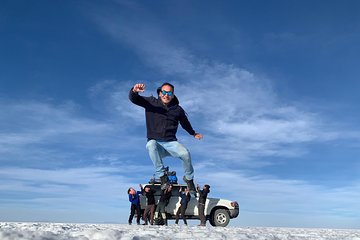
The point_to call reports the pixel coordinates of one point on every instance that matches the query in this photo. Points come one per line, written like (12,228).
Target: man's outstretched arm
(134,94)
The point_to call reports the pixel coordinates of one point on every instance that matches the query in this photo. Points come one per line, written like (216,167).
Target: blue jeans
(158,150)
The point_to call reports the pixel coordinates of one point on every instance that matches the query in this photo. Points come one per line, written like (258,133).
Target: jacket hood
(175,101)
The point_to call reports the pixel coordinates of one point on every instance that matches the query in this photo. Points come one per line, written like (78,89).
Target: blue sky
(272,86)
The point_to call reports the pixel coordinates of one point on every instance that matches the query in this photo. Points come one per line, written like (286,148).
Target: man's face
(166,94)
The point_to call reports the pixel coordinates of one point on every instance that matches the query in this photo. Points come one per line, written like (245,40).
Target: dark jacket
(185,199)
(134,199)
(150,197)
(202,195)
(165,197)
(162,121)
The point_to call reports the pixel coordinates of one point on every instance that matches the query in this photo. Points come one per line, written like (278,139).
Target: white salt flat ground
(70,231)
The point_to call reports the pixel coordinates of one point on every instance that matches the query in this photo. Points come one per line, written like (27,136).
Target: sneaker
(190,184)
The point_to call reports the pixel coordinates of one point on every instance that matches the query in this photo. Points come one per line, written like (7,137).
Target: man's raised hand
(198,136)
(139,87)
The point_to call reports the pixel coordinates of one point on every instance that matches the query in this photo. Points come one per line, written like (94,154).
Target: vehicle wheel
(220,218)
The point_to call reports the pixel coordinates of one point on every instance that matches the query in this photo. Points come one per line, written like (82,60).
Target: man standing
(163,115)
(201,204)
(161,207)
(150,207)
(185,199)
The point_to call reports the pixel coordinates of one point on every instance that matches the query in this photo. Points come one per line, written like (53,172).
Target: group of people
(156,213)
(163,115)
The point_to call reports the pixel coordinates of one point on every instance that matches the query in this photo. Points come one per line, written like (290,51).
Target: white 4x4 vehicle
(218,211)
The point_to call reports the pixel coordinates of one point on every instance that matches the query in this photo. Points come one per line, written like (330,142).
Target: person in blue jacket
(135,204)
(163,115)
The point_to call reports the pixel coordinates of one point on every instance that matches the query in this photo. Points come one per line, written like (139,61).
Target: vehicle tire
(220,218)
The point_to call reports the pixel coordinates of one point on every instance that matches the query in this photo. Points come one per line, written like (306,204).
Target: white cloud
(42,135)
(91,194)
(111,97)
(265,195)
(29,122)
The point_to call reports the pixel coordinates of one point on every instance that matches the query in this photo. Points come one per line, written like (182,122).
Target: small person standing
(185,199)
(135,204)
(150,206)
(201,204)
(163,202)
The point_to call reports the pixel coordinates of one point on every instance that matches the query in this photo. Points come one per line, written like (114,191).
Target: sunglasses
(169,93)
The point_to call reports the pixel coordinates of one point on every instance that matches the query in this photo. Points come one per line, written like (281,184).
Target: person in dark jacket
(135,204)
(150,206)
(163,202)
(185,199)
(163,115)
(201,203)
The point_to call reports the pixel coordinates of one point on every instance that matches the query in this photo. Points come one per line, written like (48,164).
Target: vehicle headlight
(234,204)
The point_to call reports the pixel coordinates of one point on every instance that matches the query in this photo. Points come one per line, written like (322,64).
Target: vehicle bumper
(234,212)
